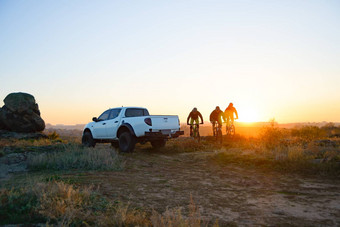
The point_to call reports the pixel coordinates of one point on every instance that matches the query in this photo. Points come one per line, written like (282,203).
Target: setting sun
(248,115)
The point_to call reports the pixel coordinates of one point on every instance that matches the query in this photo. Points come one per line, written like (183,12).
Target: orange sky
(272,59)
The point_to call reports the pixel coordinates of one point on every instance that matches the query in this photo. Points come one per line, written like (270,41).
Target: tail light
(148,121)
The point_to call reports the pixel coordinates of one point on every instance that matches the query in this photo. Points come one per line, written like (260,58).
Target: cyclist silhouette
(229,114)
(193,116)
(216,117)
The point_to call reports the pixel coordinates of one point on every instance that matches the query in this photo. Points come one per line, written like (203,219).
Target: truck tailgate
(164,122)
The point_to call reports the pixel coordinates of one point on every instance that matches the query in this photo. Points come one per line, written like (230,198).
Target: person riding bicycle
(229,114)
(193,116)
(216,117)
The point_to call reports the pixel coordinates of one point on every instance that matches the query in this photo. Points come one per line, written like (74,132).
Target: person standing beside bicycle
(229,114)
(216,118)
(193,117)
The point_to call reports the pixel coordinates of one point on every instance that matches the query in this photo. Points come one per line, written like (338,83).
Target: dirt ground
(230,194)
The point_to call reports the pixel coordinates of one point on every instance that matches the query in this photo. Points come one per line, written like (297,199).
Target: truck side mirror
(94,119)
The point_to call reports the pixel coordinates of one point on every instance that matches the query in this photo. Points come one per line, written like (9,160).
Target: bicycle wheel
(219,136)
(194,131)
(227,130)
(232,130)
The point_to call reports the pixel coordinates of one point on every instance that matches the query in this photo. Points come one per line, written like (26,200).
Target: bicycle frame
(195,130)
(230,128)
(217,129)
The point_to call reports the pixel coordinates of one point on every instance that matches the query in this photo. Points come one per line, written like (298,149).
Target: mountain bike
(196,131)
(217,130)
(230,128)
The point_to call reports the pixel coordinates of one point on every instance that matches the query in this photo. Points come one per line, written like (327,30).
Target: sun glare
(249,115)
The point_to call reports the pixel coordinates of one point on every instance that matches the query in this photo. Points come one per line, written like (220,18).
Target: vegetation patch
(174,217)
(284,150)
(18,206)
(62,204)
(76,157)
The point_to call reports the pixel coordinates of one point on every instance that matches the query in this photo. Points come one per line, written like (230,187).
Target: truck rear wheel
(127,142)
(158,143)
(87,139)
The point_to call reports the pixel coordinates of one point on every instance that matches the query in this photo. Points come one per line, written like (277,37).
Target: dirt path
(230,194)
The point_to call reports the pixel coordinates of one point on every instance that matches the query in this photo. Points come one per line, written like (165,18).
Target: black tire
(127,142)
(87,139)
(158,143)
(231,130)
(196,133)
(219,136)
(198,137)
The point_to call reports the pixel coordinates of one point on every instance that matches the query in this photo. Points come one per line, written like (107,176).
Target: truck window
(104,116)
(136,112)
(146,112)
(114,113)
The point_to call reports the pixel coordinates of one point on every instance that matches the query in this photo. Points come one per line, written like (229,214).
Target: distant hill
(243,128)
(62,126)
(251,129)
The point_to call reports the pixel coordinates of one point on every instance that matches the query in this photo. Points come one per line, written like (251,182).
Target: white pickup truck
(123,127)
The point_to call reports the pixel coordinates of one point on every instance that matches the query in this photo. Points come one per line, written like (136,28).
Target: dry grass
(77,157)
(174,217)
(305,150)
(292,158)
(66,205)
(57,203)
(25,143)
(61,204)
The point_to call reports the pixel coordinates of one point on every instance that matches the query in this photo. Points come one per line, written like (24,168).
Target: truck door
(99,128)
(113,123)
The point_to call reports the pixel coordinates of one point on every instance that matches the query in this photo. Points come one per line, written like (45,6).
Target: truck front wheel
(87,139)
(126,142)
(158,143)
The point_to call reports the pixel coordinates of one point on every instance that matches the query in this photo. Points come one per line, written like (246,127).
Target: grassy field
(281,177)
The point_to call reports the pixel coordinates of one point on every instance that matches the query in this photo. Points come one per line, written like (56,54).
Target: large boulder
(21,114)
(2,123)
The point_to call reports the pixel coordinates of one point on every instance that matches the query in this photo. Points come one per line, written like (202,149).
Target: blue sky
(272,59)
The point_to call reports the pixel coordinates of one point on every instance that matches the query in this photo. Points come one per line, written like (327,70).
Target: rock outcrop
(21,114)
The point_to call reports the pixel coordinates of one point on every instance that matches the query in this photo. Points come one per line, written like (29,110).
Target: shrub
(272,136)
(18,206)
(308,133)
(293,159)
(76,157)
(123,215)
(64,205)
(331,130)
(60,204)
(53,136)
(174,217)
